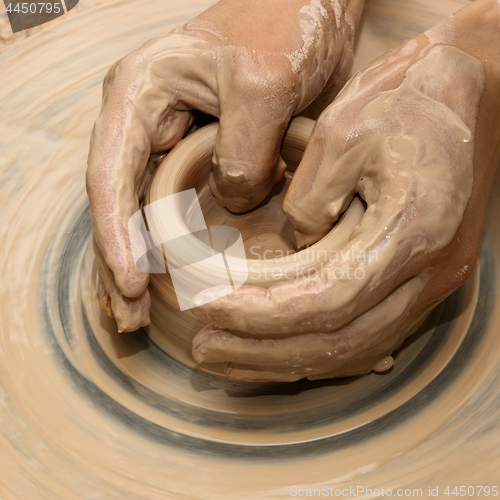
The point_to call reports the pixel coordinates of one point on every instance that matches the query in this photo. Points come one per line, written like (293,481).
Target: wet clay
(86,412)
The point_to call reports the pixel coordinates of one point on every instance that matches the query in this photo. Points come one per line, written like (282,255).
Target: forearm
(353,11)
(475,29)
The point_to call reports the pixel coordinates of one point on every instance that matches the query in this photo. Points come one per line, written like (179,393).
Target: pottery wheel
(88,413)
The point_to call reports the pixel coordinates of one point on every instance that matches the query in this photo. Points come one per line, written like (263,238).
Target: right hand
(408,135)
(252,71)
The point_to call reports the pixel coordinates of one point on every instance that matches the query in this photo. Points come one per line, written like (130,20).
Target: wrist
(474,29)
(352,15)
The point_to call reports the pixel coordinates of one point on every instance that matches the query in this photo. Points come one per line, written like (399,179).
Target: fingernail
(198,355)
(236,177)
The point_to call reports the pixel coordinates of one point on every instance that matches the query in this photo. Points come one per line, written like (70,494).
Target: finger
(213,344)
(119,152)
(254,374)
(375,358)
(130,314)
(357,367)
(246,161)
(104,299)
(379,362)
(348,369)
(353,280)
(378,358)
(376,331)
(327,177)
(130,126)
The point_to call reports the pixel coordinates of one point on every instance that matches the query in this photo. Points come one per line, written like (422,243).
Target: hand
(250,70)
(412,134)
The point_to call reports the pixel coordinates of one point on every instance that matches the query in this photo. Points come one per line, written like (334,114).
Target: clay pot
(266,234)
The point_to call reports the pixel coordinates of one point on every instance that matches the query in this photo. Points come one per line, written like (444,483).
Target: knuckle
(464,266)
(275,85)
(125,72)
(111,73)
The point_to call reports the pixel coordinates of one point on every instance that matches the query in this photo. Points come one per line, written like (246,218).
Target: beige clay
(79,429)
(266,231)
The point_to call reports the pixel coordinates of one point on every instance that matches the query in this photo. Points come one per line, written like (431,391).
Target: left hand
(253,72)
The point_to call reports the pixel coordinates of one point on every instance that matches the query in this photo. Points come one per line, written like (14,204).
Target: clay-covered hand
(401,135)
(251,63)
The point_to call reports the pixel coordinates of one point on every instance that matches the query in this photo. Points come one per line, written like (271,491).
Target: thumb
(111,183)
(336,165)
(323,185)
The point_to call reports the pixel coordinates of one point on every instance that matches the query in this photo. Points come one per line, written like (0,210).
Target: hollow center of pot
(265,230)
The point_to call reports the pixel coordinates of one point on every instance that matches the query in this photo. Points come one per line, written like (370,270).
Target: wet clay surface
(88,413)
